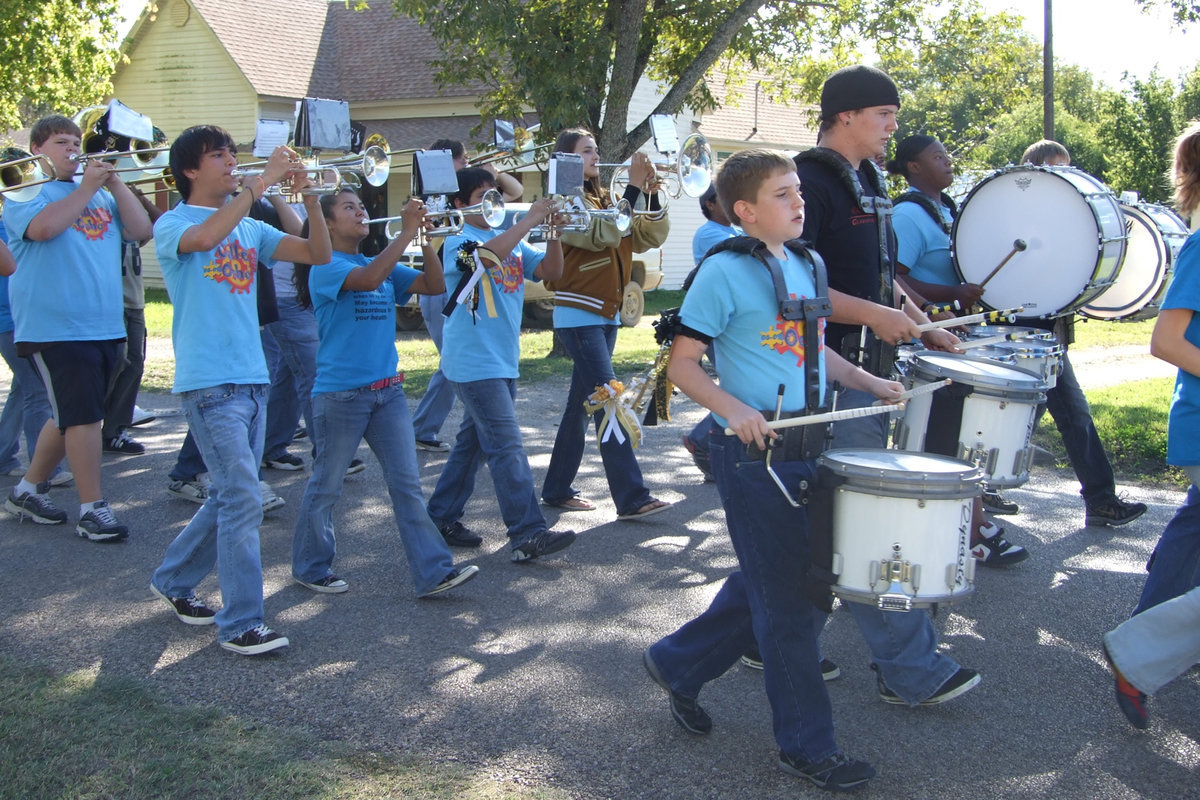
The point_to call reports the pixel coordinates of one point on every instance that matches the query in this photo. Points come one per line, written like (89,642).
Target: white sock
(24,486)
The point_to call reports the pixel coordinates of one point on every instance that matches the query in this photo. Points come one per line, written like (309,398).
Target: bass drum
(1069,223)
(1155,235)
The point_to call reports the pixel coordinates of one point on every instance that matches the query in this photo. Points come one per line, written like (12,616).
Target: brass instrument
(22,174)
(689,174)
(579,217)
(326,180)
(451,220)
(129,155)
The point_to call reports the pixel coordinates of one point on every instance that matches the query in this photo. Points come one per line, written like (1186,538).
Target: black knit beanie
(852,88)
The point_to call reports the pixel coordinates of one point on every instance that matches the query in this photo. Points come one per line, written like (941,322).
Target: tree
(1184,10)
(1138,134)
(58,55)
(578,63)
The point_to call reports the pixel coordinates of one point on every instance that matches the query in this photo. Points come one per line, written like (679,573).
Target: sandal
(572,504)
(653,507)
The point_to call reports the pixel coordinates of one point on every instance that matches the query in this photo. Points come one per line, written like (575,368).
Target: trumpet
(579,217)
(149,163)
(523,156)
(374,163)
(689,174)
(451,220)
(22,174)
(326,180)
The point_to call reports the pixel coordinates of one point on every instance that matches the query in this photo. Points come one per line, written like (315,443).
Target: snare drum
(1018,332)
(1072,228)
(901,527)
(1155,235)
(986,416)
(1035,355)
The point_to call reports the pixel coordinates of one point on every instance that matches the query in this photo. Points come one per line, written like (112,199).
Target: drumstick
(916,391)
(941,308)
(1007,315)
(1018,246)
(831,416)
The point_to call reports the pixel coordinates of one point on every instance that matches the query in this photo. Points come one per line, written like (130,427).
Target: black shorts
(76,376)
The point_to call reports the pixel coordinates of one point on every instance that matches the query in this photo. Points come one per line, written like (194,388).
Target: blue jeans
(439,395)
(1175,565)
(1069,409)
(26,409)
(227,423)
(188,463)
(765,602)
(903,645)
(340,421)
(591,348)
(293,361)
(490,433)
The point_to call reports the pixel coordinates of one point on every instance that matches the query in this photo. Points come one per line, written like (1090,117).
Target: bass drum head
(1071,227)
(1155,235)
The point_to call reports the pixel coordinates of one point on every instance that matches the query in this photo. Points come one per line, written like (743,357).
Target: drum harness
(930,208)
(871,353)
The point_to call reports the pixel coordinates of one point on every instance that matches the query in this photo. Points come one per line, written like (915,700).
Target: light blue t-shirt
(6,320)
(709,234)
(487,346)
(356,330)
(215,299)
(922,245)
(67,289)
(733,300)
(1183,431)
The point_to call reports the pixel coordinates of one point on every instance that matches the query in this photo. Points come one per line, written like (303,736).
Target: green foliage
(1138,136)
(58,56)
(1015,130)
(1184,10)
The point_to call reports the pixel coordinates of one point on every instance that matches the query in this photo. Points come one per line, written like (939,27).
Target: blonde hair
(1042,151)
(1185,169)
(742,174)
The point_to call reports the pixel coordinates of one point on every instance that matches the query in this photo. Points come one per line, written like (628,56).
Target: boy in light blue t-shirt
(210,254)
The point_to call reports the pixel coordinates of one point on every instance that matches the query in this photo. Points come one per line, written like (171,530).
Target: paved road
(532,672)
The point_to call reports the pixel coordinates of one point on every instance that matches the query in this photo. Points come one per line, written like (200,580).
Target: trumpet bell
(620,215)
(376,165)
(22,174)
(695,165)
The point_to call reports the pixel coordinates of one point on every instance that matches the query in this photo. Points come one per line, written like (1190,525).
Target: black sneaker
(356,466)
(36,506)
(993,502)
(700,459)
(960,682)
(542,544)
(301,433)
(284,461)
(330,584)
(996,551)
(836,773)
(1114,513)
(99,525)
(686,711)
(257,640)
(433,446)
(829,670)
(458,535)
(124,445)
(457,577)
(191,610)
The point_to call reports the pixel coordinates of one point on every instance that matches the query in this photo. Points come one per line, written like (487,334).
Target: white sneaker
(62,478)
(270,500)
(141,416)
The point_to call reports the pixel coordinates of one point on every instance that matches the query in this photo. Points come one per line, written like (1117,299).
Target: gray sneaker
(542,543)
(36,506)
(99,525)
(194,491)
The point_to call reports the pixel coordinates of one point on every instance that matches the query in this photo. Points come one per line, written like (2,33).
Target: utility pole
(1048,73)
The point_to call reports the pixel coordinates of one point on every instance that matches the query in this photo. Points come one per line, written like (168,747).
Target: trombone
(689,174)
(23,174)
(451,220)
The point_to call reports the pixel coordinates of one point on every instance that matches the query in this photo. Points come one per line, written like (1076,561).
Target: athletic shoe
(61,478)
(829,670)
(1114,513)
(700,459)
(1130,699)
(330,584)
(996,551)
(122,444)
(541,544)
(960,682)
(433,445)
(195,491)
(356,466)
(686,711)
(16,472)
(270,500)
(837,773)
(284,461)
(458,535)
(141,416)
(457,577)
(301,433)
(99,525)
(191,610)
(36,506)
(259,639)
(993,502)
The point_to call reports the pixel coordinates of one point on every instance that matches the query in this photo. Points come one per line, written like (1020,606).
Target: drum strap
(924,201)
(809,310)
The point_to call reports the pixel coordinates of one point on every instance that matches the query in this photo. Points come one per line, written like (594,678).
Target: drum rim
(1151,298)
(1038,385)
(965,480)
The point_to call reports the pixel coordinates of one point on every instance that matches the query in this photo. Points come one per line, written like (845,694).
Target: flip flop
(572,504)
(653,507)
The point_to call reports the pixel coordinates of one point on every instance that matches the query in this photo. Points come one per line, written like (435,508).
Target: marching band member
(597,265)
(358,395)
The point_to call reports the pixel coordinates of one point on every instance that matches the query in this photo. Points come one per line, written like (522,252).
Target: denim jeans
(26,409)
(122,394)
(1069,409)
(439,395)
(903,644)
(1175,566)
(591,347)
(340,421)
(293,362)
(765,602)
(188,463)
(227,423)
(489,432)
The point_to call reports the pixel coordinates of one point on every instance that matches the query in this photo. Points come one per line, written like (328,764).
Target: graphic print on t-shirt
(788,336)
(374,305)
(509,275)
(233,264)
(93,223)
